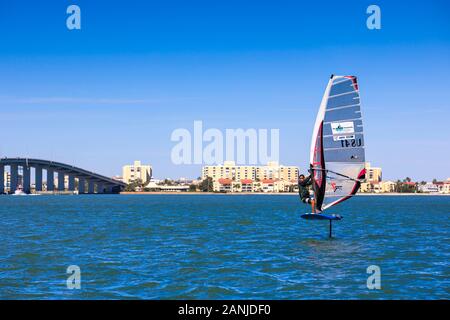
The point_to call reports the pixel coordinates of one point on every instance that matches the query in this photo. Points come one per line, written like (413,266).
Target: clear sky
(114,91)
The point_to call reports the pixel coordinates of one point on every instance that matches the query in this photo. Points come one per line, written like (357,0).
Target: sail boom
(342,175)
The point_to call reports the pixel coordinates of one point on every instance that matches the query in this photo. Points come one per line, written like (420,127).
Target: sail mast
(317,161)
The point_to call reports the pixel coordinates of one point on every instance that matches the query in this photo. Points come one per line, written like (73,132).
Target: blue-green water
(222,247)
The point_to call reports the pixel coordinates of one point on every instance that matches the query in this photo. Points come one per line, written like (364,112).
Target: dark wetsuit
(303,190)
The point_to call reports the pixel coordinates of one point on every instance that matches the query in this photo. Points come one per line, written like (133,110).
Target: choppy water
(215,246)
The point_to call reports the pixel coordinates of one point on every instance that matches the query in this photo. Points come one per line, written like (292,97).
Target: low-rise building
(178,188)
(388,186)
(373,181)
(378,186)
(224,185)
(154,185)
(248,185)
(429,187)
(382,186)
(269,185)
(444,187)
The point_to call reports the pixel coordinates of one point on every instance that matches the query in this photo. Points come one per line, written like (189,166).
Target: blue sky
(114,91)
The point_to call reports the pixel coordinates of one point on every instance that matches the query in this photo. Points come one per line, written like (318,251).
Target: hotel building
(373,174)
(136,171)
(230,177)
(373,181)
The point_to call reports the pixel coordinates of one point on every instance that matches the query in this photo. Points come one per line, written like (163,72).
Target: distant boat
(19,192)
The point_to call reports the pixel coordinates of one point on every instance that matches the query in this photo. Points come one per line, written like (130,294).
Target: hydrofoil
(321,216)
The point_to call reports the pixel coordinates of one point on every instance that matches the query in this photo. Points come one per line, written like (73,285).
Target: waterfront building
(275,171)
(230,177)
(269,185)
(6,180)
(166,188)
(365,187)
(373,181)
(178,188)
(224,185)
(136,171)
(248,185)
(444,186)
(388,186)
(382,186)
(229,170)
(429,187)
(373,174)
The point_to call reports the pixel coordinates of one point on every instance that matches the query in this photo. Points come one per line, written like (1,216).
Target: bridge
(78,179)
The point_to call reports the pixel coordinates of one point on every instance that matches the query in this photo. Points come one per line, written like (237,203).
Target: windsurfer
(303,191)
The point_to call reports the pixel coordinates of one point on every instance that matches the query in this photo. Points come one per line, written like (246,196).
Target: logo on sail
(335,187)
(343,130)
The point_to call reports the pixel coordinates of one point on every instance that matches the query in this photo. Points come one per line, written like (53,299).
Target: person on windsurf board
(303,189)
(337,151)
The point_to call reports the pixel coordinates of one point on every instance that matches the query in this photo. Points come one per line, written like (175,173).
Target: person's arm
(308,181)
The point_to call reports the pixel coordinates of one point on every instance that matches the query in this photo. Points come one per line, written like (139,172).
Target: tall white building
(373,174)
(272,177)
(136,171)
(229,170)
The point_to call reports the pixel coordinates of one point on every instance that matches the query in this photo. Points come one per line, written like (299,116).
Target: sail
(337,157)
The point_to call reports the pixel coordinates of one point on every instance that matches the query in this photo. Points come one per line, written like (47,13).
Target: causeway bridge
(69,178)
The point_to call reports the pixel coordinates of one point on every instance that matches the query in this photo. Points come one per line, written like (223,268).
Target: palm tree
(398,185)
(133,185)
(207,185)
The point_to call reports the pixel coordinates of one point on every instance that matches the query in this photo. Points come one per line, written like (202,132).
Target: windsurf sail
(337,158)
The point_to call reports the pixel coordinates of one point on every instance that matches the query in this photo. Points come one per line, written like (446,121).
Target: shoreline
(272,193)
(150,193)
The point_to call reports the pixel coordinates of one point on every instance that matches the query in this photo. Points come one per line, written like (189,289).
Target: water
(222,247)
